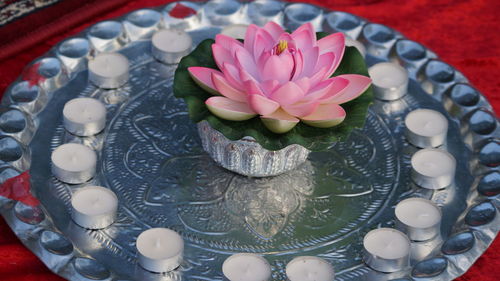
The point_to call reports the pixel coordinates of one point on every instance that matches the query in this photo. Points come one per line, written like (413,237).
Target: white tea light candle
(246,267)
(109,70)
(389,80)
(419,218)
(309,269)
(170,45)
(94,207)
(433,168)
(84,116)
(236,31)
(426,128)
(73,163)
(386,250)
(160,249)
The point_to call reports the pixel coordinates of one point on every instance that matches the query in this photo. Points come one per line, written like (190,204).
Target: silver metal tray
(150,155)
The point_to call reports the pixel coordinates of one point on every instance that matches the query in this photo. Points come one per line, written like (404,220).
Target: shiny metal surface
(247,157)
(151,156)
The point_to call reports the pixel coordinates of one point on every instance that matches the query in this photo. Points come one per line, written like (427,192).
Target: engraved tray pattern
(151,156)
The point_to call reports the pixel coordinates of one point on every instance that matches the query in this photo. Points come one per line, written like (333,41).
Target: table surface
(462,32)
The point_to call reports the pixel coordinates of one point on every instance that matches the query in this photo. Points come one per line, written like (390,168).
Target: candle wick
(95,202)
(73,158)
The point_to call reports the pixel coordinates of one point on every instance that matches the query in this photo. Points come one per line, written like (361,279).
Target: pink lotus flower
(284,78)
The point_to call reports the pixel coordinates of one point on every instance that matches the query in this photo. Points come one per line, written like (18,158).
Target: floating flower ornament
(279,88)
(284,78)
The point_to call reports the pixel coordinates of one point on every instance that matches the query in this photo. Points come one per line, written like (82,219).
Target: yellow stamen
(282,46)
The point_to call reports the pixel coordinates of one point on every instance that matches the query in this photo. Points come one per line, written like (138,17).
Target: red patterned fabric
(31,29)
(462,32)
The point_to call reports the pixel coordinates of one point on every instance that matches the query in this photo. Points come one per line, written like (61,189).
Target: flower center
(281,47)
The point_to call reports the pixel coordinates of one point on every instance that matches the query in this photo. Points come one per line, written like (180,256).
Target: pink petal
(303,39)
(304,83)
(232,75)
(245,61)
(278,68)
(319,76)
(226,90)
(326,89)
(248,43)
(258,47)
(357,85)
(325,116)
(228,109)
(221,55)
(310,58)
(269,86)
(261,61)
(274,29)
(263,41)
(334,43)
(299,64)
(300,109)
(308,27)
(262,105)
(203,77)
(279,121)
(287,94)
(245,76)
(228,43)
(251,88)
(326,61)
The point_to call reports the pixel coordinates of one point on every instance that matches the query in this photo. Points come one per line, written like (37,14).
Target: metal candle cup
(386,250)
(378,39)
(160,249)
(142,23)
(223,12)
(170,45)
(426,128)
(297,14)
(246,267)
(419,218)
(84,116)
(73,163)
(433,168)
(109,70)
(309,268)
(94,207)
(346,23)
(74,53)
(389,80)
(107,36)
(264,11)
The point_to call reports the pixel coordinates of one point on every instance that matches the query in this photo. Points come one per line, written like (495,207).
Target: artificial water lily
(284,78)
